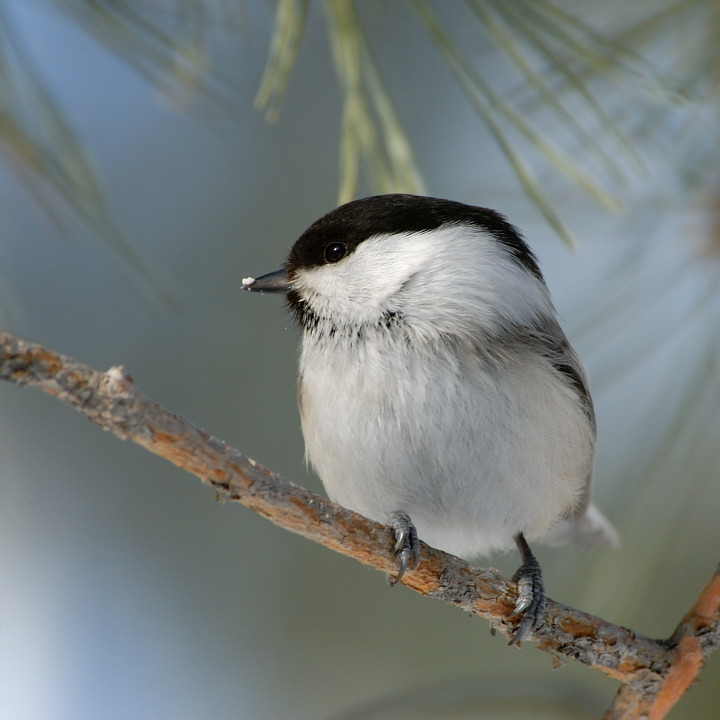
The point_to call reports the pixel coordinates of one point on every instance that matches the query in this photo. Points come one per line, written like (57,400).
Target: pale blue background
(127,591)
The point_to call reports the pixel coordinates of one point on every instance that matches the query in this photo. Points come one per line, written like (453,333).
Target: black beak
(274,282)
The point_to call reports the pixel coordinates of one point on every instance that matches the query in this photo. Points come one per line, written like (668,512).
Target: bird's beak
(274,282)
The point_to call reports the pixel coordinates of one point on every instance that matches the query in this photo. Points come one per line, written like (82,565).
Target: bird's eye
(334,252)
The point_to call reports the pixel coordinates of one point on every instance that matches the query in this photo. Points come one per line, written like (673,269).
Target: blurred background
(154,153)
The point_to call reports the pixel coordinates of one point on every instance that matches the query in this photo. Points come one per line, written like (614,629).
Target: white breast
(473,452)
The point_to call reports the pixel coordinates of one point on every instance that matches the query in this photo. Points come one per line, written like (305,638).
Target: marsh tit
(437,391)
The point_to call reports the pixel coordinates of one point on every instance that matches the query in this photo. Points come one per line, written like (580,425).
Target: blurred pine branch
(553,117)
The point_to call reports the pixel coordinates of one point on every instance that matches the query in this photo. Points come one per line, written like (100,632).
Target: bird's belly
(471,462)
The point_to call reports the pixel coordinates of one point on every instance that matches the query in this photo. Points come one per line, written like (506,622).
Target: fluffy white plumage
(445,415)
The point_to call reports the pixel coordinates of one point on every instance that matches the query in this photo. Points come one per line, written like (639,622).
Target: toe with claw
(407,545)
(530,601)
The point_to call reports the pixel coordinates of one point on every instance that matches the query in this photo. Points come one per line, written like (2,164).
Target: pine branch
(653,674)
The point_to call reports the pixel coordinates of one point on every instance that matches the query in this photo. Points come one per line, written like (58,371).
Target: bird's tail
(591,528)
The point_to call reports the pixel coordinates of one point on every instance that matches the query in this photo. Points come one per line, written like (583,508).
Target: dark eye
(334,252)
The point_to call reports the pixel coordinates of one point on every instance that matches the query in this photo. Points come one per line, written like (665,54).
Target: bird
(437,391)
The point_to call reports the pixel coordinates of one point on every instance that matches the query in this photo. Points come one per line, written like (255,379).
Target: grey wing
(584,524)
(553,344)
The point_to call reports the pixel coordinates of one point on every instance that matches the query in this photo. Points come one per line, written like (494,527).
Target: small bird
(437,391)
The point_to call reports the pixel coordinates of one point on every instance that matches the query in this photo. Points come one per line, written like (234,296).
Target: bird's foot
(530,602)
(407,545)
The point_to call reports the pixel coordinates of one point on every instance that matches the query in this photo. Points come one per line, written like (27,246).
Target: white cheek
(452,280)
(361,286)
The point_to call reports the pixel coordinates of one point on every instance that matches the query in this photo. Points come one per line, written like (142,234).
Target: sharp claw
(523,629)
(524,596)
(407,545)
(530,619)
(404,558)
